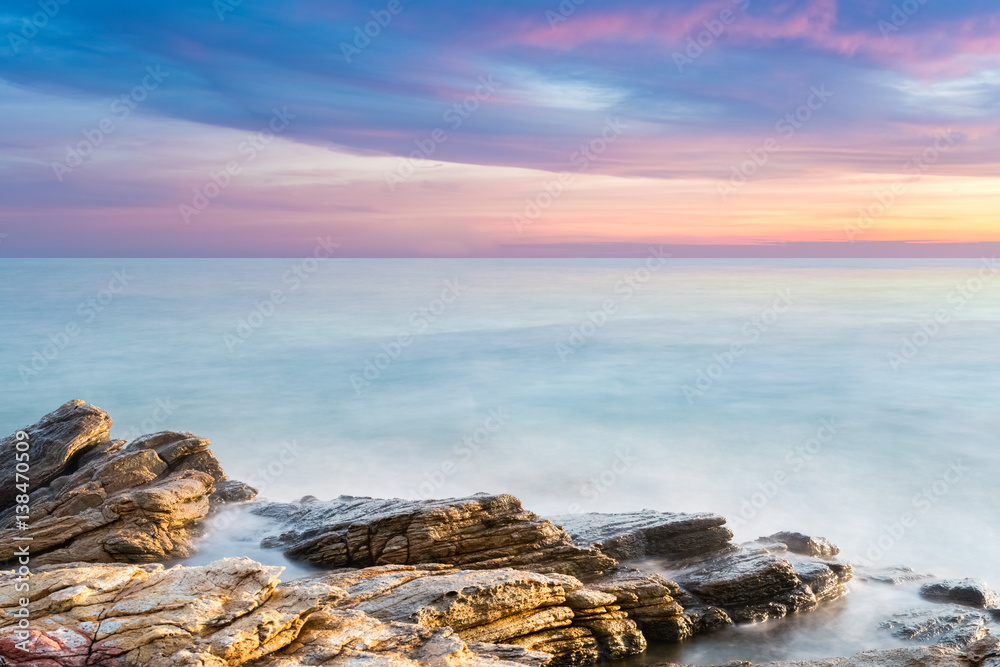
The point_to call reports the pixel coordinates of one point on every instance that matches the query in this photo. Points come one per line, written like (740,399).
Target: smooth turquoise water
(605,427)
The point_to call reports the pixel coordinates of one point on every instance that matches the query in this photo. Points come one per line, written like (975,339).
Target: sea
(851,399)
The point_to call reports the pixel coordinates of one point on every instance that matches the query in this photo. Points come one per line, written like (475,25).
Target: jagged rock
(948,625)
(221,614)
(754,585)
(99,500)
(817,547)
(968,592)
(894,575)
(481,531)
(556,614)
(635,535)
(920,656)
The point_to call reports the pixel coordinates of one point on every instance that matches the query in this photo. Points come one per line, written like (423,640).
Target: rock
(920,656)
(556,614)
(645,534)
(224,613)
(754,585)
(98,500)
(948,625)
(968,592)
(817,547)
(481,531)
(894,575)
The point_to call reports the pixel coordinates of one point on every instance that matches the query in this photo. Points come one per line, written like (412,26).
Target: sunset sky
(516,128)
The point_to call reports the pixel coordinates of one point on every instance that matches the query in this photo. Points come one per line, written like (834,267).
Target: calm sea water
(852,399)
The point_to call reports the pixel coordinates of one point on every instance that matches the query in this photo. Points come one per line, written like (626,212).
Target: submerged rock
(968,592)
(480,531)
(645,534)
(97,500)
(894,575)
(949,625)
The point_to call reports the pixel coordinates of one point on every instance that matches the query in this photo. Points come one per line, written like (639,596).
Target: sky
(514,128)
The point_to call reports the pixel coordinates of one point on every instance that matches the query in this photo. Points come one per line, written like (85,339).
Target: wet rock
(754,585)
(968,592)
(817,547)
(481,531)
(948,625)
(894,575)
(645,534)
(920,656)
(98,500)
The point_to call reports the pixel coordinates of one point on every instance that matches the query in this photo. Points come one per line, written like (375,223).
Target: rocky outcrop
(228,613)
(969,592)
(96,500)
(947,625)
(985,653)
(755,585)
(646,534)
(797,543)
(481,532)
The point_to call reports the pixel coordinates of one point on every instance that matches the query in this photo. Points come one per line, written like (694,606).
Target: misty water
(832,397)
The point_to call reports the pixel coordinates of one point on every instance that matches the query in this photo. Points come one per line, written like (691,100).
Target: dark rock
(968,592)
(817,547)
(949,625)
(481,531)
(635,535)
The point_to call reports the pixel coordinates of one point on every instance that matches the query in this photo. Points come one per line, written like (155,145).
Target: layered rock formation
(96,500)
(947,625)
(481,531)
(646,534)
(805,545)
(968,592)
